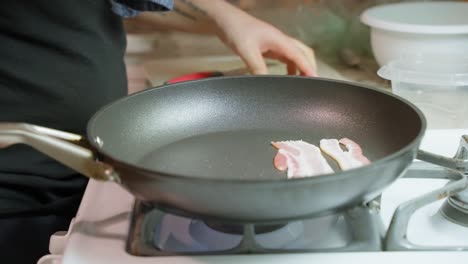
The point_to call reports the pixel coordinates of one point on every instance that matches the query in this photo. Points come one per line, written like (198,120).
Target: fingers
(290,65)
(307,52)
(253,58)
(297,54)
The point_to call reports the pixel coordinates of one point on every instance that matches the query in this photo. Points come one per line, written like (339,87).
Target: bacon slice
(350,159)
(355,150)
(300,159)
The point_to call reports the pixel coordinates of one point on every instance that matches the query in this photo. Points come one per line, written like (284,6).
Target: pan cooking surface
(239,155)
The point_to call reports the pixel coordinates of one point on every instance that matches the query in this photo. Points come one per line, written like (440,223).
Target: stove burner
(455,209)
(157,233)
(239,229)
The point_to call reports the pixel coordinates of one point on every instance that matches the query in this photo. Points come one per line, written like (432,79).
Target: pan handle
(458,162)
(67,148)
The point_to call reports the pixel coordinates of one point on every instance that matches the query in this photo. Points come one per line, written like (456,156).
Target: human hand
(253,40)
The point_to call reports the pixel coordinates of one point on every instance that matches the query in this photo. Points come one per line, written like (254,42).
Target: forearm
(198,16)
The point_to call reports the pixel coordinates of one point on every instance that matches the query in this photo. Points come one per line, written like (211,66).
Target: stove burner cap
(455,208)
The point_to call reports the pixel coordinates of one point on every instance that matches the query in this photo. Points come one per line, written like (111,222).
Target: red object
(210,74)
(194,76)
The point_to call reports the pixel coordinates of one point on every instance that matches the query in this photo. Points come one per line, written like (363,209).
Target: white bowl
(419,27)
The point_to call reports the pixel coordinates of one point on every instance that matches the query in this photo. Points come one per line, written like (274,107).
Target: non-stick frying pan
(203,147)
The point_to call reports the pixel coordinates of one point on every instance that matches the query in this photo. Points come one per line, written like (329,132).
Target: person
(62,60)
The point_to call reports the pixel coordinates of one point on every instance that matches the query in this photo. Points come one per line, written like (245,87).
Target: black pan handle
(458,162)
(67,148)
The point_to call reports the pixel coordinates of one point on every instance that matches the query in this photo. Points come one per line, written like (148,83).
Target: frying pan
(203,147)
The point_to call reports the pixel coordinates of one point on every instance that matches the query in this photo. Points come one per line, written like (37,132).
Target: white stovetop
(98,233)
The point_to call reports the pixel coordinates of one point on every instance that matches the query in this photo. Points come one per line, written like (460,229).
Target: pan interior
(222,128)
(235,154)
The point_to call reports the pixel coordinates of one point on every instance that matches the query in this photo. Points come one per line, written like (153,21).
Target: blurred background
(331,27)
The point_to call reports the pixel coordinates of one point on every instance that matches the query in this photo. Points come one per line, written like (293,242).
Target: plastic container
(436,84)
(426,26)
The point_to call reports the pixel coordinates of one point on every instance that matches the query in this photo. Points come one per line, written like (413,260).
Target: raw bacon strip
(355,150)
(350,159)
(300,159)
(332,148)
(286,161)
(281,160)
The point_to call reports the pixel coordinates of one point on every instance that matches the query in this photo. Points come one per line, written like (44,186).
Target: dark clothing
(25,238)
(60,61)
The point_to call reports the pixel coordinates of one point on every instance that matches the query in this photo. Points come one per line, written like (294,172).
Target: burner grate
(357,229)
(396,239)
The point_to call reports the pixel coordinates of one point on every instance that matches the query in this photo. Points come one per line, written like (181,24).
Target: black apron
(60,61)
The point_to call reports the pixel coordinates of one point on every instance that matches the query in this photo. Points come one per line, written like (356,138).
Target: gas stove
(412,221)
(422,216)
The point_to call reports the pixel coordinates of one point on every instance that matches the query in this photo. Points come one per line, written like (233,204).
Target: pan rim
(324,177)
